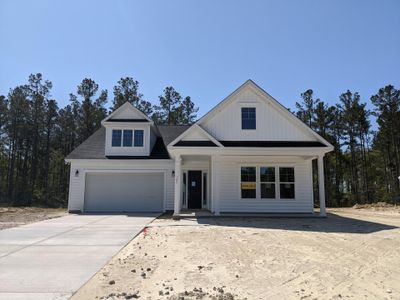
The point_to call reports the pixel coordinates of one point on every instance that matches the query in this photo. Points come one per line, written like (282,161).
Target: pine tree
(127,90)
(387,140)
(91,110)
(188,111)
(306,108)
(168,110)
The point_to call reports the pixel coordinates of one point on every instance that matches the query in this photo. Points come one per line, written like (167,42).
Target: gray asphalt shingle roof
(94,146)
(171,132)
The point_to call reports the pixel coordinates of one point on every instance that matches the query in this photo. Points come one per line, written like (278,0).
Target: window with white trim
(248,118)
(267,182)
(286,183)
(248,182)
(138,142)
(127,141)
(127,138)
(116,138)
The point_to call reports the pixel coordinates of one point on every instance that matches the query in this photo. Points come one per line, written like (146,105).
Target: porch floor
(198,213)
(194,213)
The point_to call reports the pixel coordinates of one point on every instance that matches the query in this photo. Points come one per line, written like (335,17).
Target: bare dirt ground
(16,216)
(352,254)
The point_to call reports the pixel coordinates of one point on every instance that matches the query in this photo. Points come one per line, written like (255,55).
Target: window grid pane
(127,141)
(286,186)
(287,190)
(267,174)
(268,190)
(267,182)
(286,174)
(138,141)
(248,182)
(248,118)
(116,138)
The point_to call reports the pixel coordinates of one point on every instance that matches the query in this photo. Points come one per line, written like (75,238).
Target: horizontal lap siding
(170,186)
(229,192)
(76,188)
(77,183)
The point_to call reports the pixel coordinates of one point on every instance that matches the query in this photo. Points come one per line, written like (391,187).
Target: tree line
(36,135)
(364,166)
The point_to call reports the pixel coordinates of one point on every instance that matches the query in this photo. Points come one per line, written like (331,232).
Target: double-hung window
(286,183)
(267,182)
(138,141)
(127,142)
(248,182)
(116,138)
(248,118)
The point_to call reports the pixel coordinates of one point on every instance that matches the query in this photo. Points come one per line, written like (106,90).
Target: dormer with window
(129,132)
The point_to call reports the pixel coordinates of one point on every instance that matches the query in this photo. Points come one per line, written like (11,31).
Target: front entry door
(194,189)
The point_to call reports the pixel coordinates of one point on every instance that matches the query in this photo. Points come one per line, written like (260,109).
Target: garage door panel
(124,192)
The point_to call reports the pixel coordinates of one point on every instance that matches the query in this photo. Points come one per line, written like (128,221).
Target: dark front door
(194,189)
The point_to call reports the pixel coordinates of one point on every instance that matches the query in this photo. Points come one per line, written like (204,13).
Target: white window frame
(241,117)
(122,138)
(133,137)
(287,182)
(240,181)
(274,182)
(258,181)
(112,136)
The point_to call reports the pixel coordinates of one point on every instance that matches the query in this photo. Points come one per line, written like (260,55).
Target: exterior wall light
(77,173)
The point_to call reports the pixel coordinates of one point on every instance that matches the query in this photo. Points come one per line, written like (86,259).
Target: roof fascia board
(202,131)
(268,99)
(122,107)
(289,115)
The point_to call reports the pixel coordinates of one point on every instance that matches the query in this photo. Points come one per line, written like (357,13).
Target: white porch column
(321,185)
(178,184)
(215,185)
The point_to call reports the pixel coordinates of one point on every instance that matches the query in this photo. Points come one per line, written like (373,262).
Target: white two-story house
(249,154)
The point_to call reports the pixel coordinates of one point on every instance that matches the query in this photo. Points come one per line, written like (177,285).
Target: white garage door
(124,192)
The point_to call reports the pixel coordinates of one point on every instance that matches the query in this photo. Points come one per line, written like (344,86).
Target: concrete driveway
(54,258)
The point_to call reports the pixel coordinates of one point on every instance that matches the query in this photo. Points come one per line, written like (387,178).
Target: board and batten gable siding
(127,113)
(271,124)
(195,135)
(229,189)
(76,195)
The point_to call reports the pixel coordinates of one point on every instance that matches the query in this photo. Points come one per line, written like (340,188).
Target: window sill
(268,199)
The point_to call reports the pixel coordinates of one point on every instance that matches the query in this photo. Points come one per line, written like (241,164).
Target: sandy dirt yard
(16,216)
(352,254)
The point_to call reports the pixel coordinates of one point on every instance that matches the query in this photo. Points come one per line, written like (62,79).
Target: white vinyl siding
(271,125)
(229,190)
(77,183)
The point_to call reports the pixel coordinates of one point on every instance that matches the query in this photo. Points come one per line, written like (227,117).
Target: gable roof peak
(269,99)
(126,105)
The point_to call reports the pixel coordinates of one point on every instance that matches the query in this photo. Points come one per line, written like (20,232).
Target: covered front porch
(201,184)
(193,175)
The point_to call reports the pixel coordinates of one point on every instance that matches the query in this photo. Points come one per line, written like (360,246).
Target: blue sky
(204,49)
